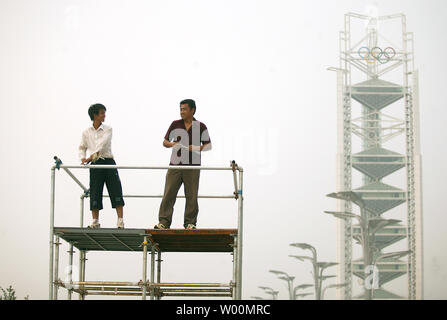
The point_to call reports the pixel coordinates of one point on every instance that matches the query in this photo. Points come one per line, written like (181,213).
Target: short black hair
(191,104)
(94,109)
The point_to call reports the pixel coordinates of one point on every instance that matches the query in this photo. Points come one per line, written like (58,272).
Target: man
(188,138)
(97,139)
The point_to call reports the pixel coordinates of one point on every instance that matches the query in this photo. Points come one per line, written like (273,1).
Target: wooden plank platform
(171,240)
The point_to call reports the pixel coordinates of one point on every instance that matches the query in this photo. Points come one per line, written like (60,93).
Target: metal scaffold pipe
(93,166)
(79,183)
(70,271)
(161,196)
(52,192)
(152,271)
(239,237)
(145,242)
(56,268)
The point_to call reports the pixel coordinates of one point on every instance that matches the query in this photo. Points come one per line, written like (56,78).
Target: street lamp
(270,291)
(398,254)
(318,267)
(301,287)
(322,266)
(284,276)
(368,227)
(302,295)
(301,258)
(327,277)
(348,196)
(313,259)
(337,286)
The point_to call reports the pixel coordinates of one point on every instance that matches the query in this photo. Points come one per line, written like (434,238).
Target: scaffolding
(147,241)
(373,56)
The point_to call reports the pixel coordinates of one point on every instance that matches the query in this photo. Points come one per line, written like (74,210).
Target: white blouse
(96,140)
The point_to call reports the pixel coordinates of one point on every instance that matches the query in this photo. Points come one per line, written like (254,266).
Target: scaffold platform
(148,242)
(170,240)
(138,240)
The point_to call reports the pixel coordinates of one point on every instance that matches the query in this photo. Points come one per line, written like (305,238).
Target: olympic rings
(376,54)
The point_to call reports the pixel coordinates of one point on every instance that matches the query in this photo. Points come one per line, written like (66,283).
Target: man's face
(100,116)
(185,111)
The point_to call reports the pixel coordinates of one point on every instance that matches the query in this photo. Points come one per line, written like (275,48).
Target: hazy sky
(257,70)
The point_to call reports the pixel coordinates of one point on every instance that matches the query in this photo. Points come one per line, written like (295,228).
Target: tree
(8,294)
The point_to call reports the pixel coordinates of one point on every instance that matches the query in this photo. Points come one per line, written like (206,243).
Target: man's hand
(169,144)
(194,148)
(176,146)
(94,157)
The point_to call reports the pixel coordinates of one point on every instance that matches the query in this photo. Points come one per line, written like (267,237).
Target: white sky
(257,70)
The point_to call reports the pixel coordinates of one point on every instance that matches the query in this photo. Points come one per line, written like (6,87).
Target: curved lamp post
(302,295)
(322,266)
(270,291)
(337,286)
(289,279)
(301,287)
(318,267)
(313,259)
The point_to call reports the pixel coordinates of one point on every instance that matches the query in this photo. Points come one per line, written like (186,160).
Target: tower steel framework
(373,57)
(147,241)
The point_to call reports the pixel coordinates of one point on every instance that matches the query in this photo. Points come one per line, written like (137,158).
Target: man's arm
(168,144)
(205,139)
(206,146)
(83,149)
